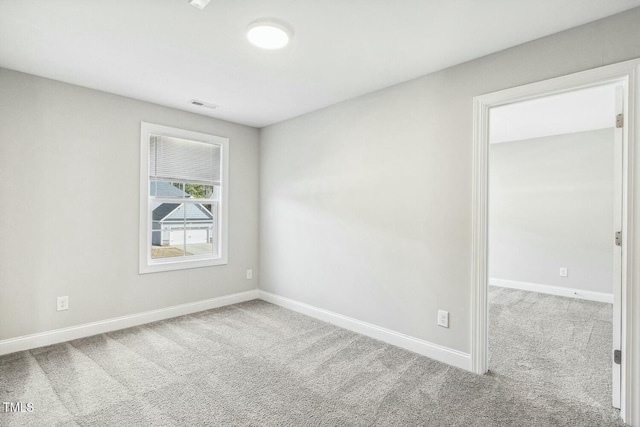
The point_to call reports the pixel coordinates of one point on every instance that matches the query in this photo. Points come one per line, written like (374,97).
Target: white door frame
(628,74)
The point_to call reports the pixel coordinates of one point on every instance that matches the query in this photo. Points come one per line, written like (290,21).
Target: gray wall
(69,173)
(366,205)
(551,206)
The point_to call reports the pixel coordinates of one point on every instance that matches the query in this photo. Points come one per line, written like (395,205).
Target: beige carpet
(552,344)
(256,364)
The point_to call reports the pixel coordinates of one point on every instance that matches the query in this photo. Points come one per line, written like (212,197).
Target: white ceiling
(576,111)
(168,52)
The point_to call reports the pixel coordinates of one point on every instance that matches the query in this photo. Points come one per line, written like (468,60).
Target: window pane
(201,231)
(202,238)
(162,245)
(190,226)
(199,191)
(166,189)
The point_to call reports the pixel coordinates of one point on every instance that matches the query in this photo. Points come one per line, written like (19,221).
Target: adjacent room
(276,213)
(553,257)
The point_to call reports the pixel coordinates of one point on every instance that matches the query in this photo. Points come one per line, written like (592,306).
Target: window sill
(180,265)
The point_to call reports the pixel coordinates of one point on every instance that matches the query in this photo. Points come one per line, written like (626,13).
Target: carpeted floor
(552,344)
(256,364)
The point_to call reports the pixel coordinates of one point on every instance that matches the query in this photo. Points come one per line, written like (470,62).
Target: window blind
(181,160)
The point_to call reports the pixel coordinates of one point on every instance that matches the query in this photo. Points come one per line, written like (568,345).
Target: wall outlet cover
(443,318)
(62,303)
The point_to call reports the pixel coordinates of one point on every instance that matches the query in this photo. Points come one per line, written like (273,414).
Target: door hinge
(618,238)
(619,120)
(617,356)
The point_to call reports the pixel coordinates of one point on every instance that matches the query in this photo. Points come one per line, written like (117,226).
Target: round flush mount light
(268,34)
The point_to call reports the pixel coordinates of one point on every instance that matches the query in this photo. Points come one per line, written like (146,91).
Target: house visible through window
(183,184)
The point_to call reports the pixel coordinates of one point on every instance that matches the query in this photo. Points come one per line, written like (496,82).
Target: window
(183,199)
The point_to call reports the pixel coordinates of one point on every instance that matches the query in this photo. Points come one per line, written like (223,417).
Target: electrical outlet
(249,274)
(443,318)
(564,272)
(63,303)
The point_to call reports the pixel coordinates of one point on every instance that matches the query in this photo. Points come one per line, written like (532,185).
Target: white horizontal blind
(181,160)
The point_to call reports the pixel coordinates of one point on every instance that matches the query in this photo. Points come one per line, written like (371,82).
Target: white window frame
(146,263)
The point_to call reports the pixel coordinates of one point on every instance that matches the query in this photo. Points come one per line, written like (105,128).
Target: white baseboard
(552,290)
(28,342)
(425,348)
(434,351)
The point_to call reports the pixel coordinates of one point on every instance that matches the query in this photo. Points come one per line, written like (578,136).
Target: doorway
(624,75)
(553,262)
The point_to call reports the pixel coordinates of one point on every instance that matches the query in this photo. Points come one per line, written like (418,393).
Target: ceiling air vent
(203,104)
(200,4)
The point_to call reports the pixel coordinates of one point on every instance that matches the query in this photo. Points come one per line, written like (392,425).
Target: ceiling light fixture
(200,4)
(268,34)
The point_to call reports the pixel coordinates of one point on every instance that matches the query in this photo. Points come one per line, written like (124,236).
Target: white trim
(28,342)
(626,73)
(620,188)
(434,351)
(145,263)
(552,290)
(480,240)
